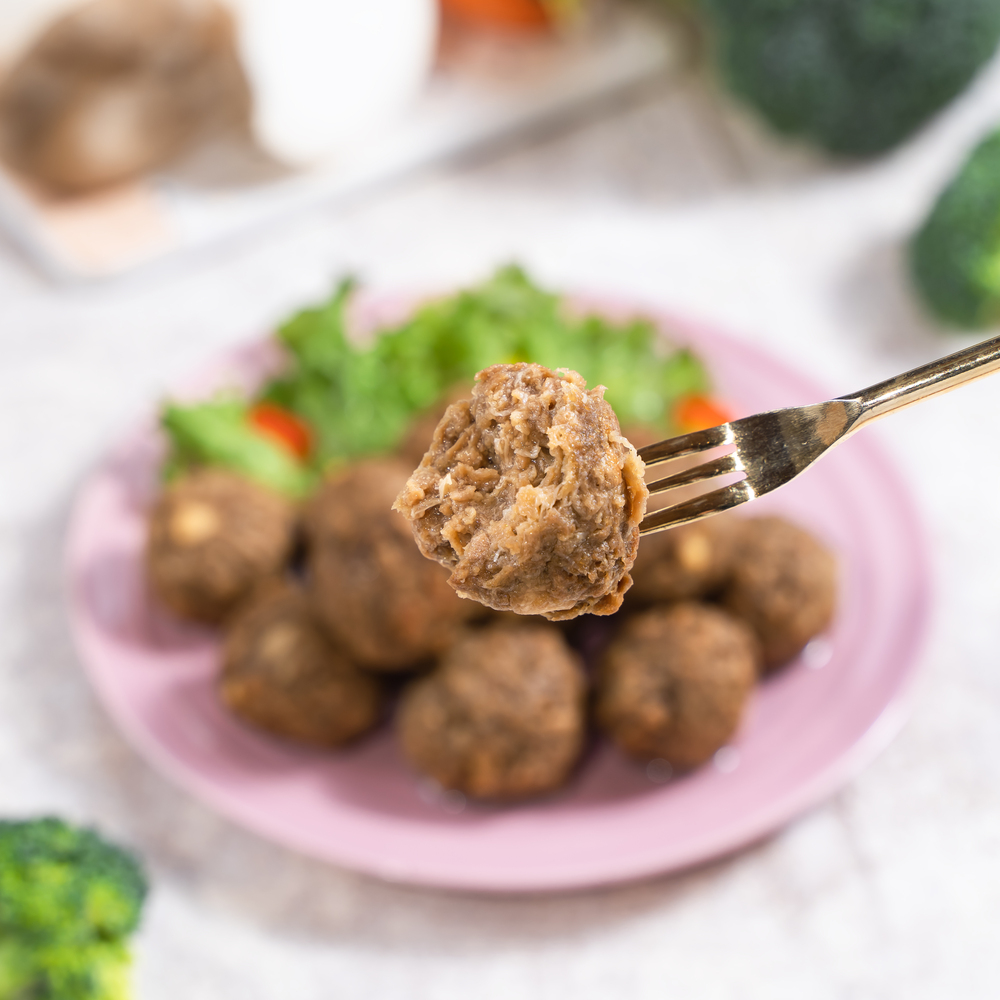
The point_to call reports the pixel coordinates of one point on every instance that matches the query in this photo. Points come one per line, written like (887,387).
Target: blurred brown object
(502,716)
(674,682)
(377,595)
(213,537)
(688,562)
(783,584)
(282,673)
(117,87)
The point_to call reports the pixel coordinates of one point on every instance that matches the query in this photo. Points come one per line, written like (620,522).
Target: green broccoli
(855,77)
(69,901)
(100,970)
(955,255)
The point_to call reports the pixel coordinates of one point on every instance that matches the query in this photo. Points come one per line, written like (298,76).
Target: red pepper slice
(696,413)
(283,427)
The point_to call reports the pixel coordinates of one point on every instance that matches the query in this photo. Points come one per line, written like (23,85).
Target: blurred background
(177,177)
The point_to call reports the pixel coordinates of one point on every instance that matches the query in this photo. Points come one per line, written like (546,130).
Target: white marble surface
(891,889)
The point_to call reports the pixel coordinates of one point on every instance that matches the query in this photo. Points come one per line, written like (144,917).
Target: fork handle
(928,380)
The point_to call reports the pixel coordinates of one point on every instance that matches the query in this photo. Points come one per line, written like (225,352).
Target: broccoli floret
(955,255)
(855,77)
(68,902)
(99,970)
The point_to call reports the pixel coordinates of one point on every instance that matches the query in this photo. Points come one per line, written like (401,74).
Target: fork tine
(698,507)
(686,444)
(707,470)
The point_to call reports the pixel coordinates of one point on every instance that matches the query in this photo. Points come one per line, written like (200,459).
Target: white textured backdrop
(891,889)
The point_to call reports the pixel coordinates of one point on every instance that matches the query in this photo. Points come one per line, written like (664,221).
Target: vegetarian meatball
(388,606)
(502,716)
(214,535)
(686,562)
(284,674)
(530,495)
(674,682)
(783,583)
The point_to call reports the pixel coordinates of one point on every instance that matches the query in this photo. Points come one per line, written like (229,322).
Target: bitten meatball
(282,673)
(213,536)
(530,495)
(674,682)
(387,605)
(783,583)
(690,561)
(502,716)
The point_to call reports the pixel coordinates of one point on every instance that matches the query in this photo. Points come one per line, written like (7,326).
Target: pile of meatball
(333,621)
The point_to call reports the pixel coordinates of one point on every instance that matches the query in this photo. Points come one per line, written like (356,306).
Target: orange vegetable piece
(283,427)
(696,413)
(510,15)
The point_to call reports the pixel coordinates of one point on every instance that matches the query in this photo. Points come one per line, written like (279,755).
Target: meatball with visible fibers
(213,536)
(690,561)
(530,495)
(674,682)
(502,716)
(282,673)
(783,583)
(377,595)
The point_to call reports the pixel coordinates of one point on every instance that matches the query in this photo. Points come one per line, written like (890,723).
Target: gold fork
(773,448)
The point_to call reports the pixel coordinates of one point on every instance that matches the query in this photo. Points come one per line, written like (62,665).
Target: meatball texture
(674,682)
(501,717)
(213,536)
(387,605)
(530,495)
(284,674)
(783,583)
(687,562)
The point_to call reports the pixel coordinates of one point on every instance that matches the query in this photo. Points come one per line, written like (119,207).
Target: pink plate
(808,731)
